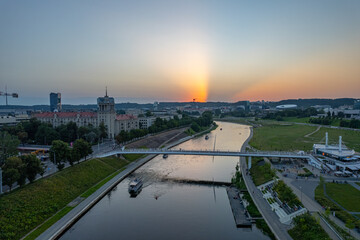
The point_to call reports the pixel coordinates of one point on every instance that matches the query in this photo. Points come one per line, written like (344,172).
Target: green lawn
(25,208)
(327,203)
(335,122)
(49,223)
(344,194)
(286,137)
(291,137)
(261,173)
(295,119)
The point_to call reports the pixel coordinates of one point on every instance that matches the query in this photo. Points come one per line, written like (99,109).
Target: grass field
(286,137)
(327,203)
(295,119)
(291,137)
(335,122)
(48,223)
(261,173)
(344,194)
(25,208)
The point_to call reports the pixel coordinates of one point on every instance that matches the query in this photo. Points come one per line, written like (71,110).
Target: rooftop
(125,117)
(65,114)
(334,150)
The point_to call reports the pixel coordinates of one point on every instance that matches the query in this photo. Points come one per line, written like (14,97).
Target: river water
(171,210)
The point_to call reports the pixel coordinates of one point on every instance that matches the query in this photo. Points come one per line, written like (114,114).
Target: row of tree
(18,169)
(292,113)
(34,131)
(159,125)
(321,120)
(60,152)
(350,124)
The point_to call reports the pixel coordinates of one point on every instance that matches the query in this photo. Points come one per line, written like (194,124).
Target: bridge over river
(270,154)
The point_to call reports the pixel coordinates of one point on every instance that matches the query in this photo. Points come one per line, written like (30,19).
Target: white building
(146,122)
(12,121)
(337,157)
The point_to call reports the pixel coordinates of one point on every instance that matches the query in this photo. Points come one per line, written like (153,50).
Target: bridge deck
(210,153)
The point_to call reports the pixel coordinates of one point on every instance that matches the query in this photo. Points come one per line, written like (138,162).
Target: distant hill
(316,101)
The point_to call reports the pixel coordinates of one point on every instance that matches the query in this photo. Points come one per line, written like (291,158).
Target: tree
(8,146)
(72,131)
(148,113)
(81,149)
(341,115)
(17,164)
(10,176)
(46,134)
(349,224)
(123,136)
(32,165)
(82,131)
(23,136)
(195,127)
(102,130)
(59,153)
(31,127)
(91,137)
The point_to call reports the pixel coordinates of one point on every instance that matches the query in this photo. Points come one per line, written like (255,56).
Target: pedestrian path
(354,185)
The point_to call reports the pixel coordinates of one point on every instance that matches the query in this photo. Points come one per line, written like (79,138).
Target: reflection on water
(167,210)
(202,167)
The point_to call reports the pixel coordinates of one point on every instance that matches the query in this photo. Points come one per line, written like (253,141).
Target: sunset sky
(147,51)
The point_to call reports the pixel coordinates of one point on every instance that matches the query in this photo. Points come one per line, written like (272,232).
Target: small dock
(238,210)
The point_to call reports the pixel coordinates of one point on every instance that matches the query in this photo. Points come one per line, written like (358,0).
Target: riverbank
(278,229)
(284,137)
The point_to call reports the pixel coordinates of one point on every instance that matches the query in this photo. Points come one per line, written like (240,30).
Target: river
(170,210)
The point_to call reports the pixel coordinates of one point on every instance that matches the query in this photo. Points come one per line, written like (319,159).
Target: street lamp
(301,194)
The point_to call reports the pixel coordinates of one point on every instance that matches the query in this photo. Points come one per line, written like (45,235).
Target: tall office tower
(55,102)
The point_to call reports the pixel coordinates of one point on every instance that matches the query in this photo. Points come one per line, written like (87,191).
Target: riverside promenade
(272,220)
(61,226)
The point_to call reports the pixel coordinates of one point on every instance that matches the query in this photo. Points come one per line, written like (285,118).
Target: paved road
(270,217)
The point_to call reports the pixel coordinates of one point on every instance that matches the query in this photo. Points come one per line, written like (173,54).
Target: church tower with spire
(106,113)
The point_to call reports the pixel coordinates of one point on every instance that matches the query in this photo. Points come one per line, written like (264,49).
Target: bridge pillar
(249,162)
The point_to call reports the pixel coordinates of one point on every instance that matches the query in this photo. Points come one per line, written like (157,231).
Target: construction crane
(6,94)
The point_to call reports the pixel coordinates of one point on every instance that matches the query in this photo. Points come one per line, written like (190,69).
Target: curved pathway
(308,135)
(270,217)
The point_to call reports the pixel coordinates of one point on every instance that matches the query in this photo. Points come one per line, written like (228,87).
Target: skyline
(177,51)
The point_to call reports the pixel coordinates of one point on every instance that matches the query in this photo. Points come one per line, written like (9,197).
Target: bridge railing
(213,151)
